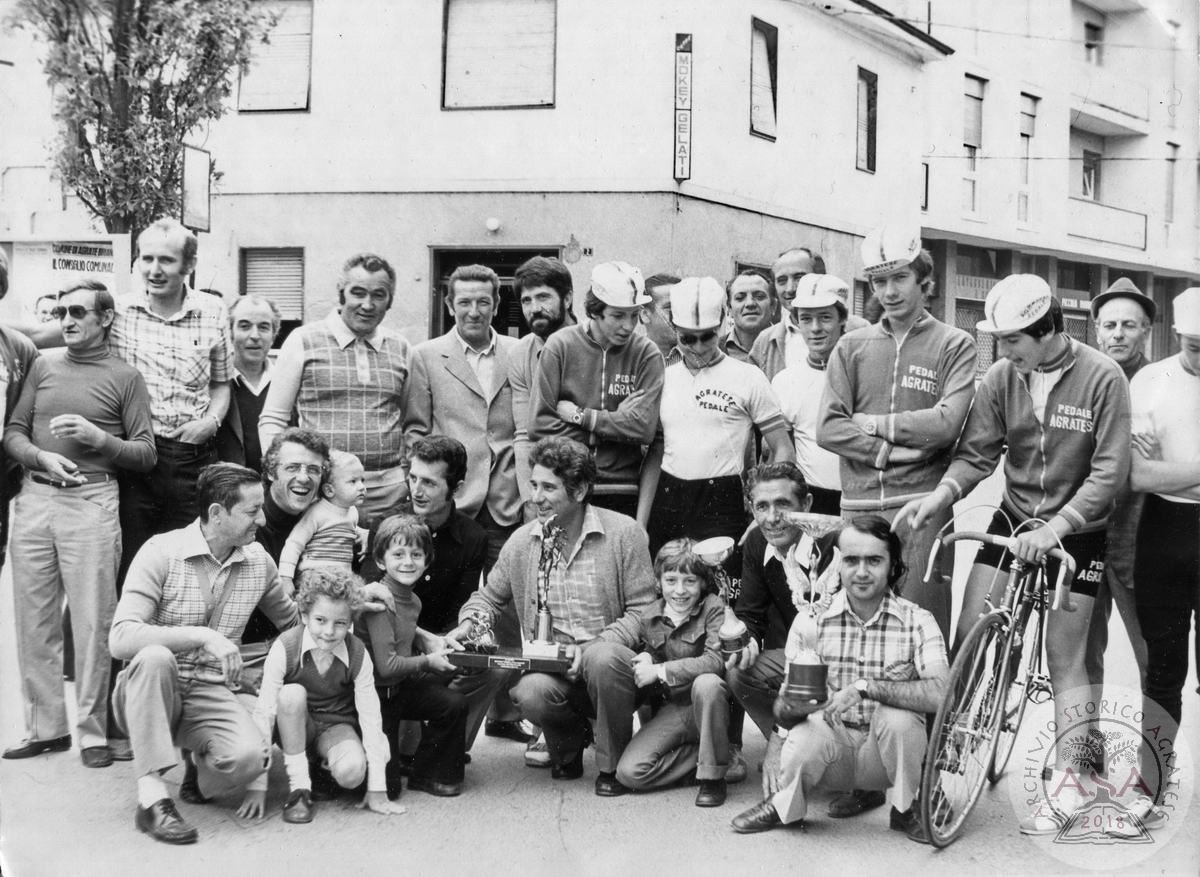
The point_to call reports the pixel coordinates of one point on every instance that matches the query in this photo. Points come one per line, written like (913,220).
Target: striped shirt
(899,643)
(178,356)
(165,588)
(347,389)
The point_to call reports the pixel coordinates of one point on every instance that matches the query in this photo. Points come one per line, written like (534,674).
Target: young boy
(328,532)
(679,638)
(318,688)
(411,667)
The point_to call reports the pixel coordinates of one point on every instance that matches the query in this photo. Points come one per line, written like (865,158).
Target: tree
(132,79)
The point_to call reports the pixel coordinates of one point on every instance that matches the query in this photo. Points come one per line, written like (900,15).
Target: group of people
(292,551)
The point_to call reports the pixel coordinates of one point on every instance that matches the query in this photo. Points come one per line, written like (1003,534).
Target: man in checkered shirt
(344,379)
(887,668)
(187,597)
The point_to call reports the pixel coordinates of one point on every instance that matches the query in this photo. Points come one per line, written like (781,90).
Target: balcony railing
(1108,104)
(1111,225)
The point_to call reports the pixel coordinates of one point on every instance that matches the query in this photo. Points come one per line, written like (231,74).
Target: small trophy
(713,553)
(481,639)
(543,644)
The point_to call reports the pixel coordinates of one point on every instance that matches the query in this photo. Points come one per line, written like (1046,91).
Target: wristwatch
(781,732)
(860,685)
(872,428)
(577,417)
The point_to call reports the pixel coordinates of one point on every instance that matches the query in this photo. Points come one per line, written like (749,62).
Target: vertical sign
(683,107)
(197,176)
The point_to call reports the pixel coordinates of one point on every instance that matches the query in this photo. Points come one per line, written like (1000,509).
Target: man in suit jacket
(458,386)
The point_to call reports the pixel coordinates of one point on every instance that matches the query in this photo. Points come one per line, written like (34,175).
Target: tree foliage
(132,79)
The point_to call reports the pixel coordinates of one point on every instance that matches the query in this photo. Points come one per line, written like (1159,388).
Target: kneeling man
(180,619)
(887,668)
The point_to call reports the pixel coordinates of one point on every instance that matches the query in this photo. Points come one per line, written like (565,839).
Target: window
(1091,175)
(1169,203)
(1074,276)
(925,185)
(498,54)
(972,140)
(1027,123)
(276,273)
(764,59)
(1093,43)
(279,74)
(868,107)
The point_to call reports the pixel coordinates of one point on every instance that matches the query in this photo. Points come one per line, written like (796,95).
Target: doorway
(504,261)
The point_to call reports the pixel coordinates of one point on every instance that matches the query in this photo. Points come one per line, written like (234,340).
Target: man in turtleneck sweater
(83,415)
(1122,316)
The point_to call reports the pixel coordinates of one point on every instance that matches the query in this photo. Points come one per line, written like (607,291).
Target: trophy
(713,553)
(481,639)
(543,644)
(805,690)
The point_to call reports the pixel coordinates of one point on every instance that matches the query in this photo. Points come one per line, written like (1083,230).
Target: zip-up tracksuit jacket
(923,383)
(574,367)
(1073,463)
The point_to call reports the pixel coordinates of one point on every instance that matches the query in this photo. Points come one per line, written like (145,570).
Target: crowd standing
(292,551)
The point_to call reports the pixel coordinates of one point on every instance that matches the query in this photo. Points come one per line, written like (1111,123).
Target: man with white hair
(1122,316)
(600,383)
(1166,466)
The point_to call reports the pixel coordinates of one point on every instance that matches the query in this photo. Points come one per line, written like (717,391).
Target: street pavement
(60,818)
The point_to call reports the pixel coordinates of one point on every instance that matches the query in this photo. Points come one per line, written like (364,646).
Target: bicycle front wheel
(960,748)
(1023,649)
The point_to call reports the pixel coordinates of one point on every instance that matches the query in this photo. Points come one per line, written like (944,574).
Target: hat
(1187,311)
(890,247)
(1123,288)
(1017,301)
(619,285)
(697,303)
(819,291)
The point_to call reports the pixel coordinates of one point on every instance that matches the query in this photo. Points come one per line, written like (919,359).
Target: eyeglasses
(688,339)
(76,312)
(306,468)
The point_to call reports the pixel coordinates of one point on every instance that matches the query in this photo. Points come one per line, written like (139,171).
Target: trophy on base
(481,639)
(543,644)
(713,553)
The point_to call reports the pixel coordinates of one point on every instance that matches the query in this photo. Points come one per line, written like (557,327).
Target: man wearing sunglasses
(81,418)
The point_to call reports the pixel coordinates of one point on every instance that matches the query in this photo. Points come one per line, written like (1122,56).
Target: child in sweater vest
(318,691)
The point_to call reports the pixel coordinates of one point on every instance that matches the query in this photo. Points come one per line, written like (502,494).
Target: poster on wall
(43,267)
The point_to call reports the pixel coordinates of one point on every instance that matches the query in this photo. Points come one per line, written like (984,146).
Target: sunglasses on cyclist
(688,339)
(76,312)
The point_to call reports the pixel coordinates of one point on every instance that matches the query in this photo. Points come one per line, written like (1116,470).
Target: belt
(96,478)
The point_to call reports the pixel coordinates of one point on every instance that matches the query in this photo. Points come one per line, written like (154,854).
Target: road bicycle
(996,672)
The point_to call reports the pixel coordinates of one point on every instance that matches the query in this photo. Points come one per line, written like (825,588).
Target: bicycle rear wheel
(1023,647)
(959,754)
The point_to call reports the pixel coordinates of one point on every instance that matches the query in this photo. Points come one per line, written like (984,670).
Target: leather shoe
(908,822)
(163,823)
(761,817)
(571,769)
(858,801)
(608,786)
(711,794)
(324,786)
(299,807)
(96,756)
(517,731)
(433,787)
(189,789)
(30,748)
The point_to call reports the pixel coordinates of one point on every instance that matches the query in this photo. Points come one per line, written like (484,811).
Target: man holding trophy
(886,667)
(571,573)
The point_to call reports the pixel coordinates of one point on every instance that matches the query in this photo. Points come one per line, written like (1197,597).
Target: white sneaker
(737,766)
(1147,812)
(1045,819)
(537,754)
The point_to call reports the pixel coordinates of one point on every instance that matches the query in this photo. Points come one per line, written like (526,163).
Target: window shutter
(278,78)
(277,274)
(973,113)
(499,53)
(762,90)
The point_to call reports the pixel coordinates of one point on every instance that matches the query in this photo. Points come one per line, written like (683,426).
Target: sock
(151,788)
(297,770)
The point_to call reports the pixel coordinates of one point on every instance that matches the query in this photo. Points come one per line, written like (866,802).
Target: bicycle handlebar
(1066,571)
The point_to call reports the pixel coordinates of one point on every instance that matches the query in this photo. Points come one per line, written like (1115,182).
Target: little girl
(328,532)
(679,638)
